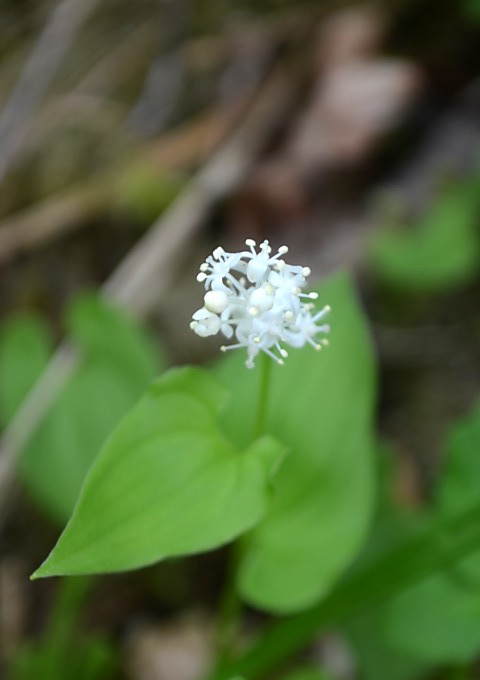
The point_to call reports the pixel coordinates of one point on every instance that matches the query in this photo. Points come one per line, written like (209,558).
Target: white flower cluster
(258,298)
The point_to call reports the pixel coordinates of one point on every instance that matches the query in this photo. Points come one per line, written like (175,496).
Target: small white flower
(259,299)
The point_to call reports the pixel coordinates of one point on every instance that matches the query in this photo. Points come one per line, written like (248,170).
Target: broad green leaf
(447,542)
(25,348)
(438,253)
(106,332)
(377,659)
(460,484)
(53,466)
(118,362)
(438,620)
(321,406)
(166,483)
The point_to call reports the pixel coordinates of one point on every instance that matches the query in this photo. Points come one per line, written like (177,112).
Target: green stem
(265,371)
(70,599)
(230,608)
(230,605)
(435,551)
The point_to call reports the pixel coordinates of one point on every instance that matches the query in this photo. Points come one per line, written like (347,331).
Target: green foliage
(62,652)
(438,620)
(184,488)
(180,475)
(416,581)
(25,348)
(471,10)
(460,484)
(440,252)
(166,483)
(108,335)
(376,657)
(118,362)
(367,588)
(321,406)
(307,673)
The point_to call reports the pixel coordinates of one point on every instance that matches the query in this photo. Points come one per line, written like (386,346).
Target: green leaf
(118,362)
(418,627)
(438,620)
(25,348)
(106,332)
(321,406)
(376,657)
(307,673)
(166,483)
(439,253)
(364,589)
(460,484)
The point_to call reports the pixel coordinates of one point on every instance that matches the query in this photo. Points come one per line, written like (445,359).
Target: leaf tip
(44,570)
(41,572)
(38,573)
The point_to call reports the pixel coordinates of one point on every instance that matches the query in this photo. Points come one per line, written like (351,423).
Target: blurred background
(135,137)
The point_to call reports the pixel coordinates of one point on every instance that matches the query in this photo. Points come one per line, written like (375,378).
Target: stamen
(226,348)
(269,353)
